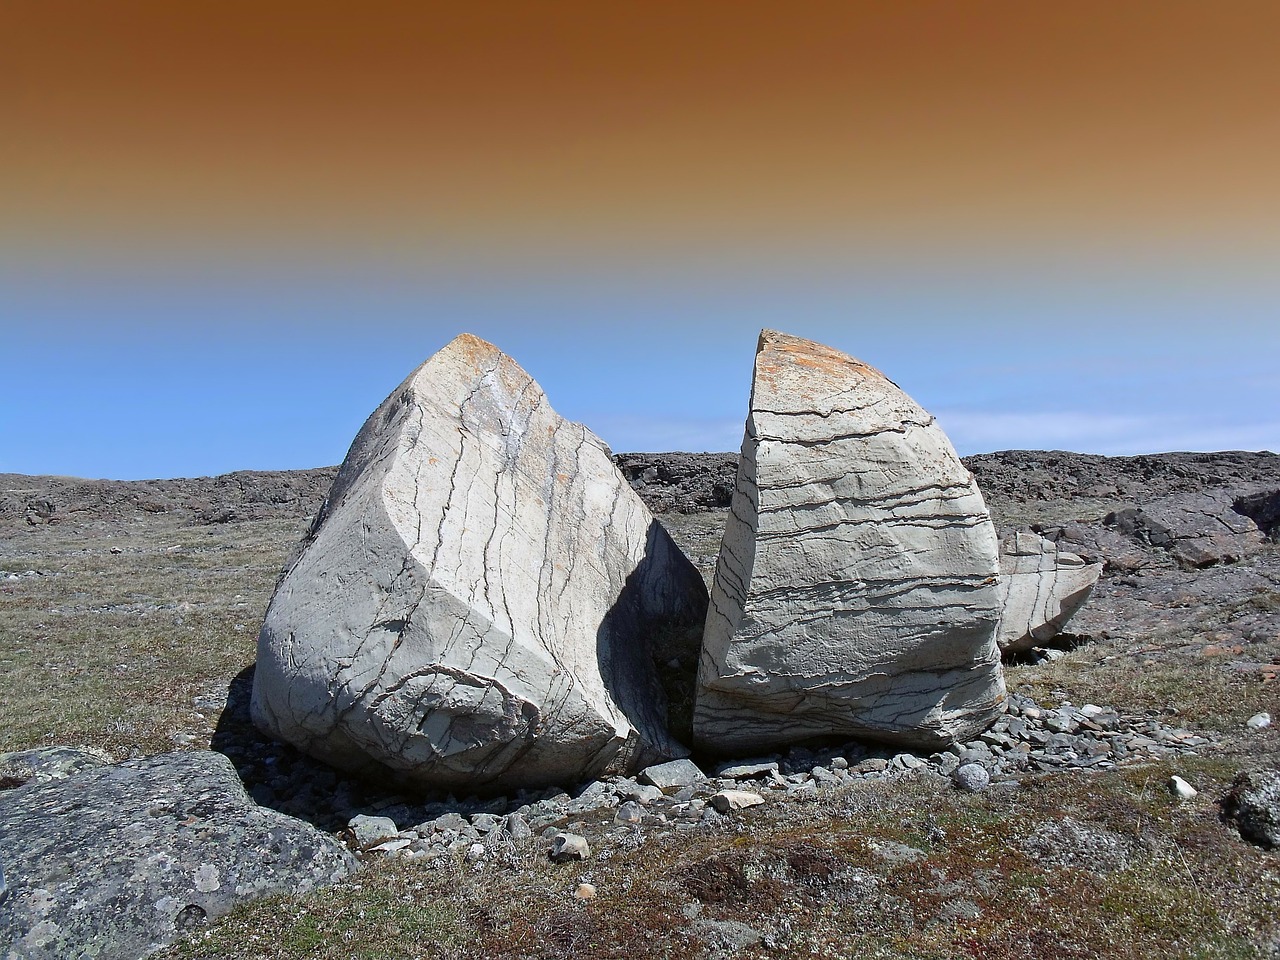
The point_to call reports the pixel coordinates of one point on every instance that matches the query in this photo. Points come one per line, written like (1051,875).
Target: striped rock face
(472,607)
(1041,588)
(856,589)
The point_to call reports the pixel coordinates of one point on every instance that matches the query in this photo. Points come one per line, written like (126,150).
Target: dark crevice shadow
(648,644)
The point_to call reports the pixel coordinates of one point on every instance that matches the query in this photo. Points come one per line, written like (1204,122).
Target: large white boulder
(471,609)
(1041,588)
(856,588)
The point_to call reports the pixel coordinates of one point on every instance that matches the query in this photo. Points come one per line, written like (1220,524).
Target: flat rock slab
(1041,588)
(50,763)
(856,590)
(116,861)
(472,608)
(672,774)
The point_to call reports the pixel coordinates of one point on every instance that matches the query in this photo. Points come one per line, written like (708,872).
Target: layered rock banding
(856,592)
(1041,587)
(471,608)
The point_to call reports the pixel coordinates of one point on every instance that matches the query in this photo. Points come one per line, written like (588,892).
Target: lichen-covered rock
(1254,804)
(856,589)
(42,764)
(472,607)
(115,861)
(1041,588)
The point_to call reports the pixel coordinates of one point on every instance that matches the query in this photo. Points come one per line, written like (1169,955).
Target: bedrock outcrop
(472,606)
(856,591)
(114,861)
(1041,587)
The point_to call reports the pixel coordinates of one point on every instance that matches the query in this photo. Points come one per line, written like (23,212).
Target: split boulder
(1041,588)
(472,606)
(856,590)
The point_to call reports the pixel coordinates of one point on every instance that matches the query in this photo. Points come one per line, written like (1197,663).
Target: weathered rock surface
(43,764)
(473,604)
(1254,804)
(115,861)
(856,589)
(1041,587)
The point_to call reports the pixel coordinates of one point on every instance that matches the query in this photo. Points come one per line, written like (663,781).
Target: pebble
(629,812)
(729,800)
(369,830)
(1258,721)
(1181,789)
(569,846)
(972,777)
(518,827)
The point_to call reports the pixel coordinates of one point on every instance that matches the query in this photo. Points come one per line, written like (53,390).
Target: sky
(229,229)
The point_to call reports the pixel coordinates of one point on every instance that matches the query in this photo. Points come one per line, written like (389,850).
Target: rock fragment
(727,801)
(1181,789)
(972,777)
(1259,721)
(673,773)
(472,606)
(1041,588)
(856,588)
(569,846)
(1253,803)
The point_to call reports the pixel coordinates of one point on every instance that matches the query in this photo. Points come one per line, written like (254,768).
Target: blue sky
(134,373)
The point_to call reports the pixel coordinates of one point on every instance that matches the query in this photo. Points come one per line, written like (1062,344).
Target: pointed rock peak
(855,591)
(470,348)
(775,348)
(473,607)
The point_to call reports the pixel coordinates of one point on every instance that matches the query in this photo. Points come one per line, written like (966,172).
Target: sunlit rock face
(856,590)
(472,607)
(1041,588)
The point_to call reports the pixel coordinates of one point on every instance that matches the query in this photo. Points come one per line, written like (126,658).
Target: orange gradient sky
(229,228)
(658,130)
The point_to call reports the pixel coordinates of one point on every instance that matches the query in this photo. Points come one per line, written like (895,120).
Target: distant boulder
(473,606)
(856,589)
(1041,588)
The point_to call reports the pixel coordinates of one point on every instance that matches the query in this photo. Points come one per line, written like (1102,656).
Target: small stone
(369,830)
(642,793)
(673,773)
(747,770)
(1181,789)
(1258,721)
(729,800)
(972,777)
(584,891)
(871,765)
(518,827)
(569,846)
(629,812)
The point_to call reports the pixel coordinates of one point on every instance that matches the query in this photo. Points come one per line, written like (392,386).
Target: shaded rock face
(473,604)
(116,861)
(856,588)
(1253,803)
(1041,587)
